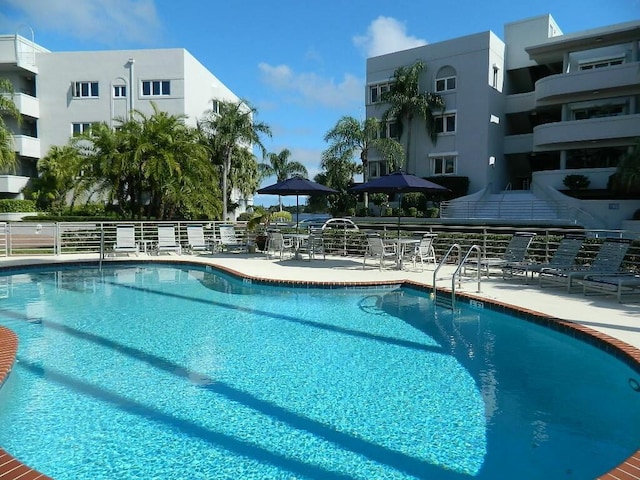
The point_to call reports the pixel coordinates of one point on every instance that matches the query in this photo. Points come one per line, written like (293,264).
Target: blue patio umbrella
(399,182)
(296,186)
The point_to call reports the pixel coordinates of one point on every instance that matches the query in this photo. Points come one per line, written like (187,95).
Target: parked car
(339,224)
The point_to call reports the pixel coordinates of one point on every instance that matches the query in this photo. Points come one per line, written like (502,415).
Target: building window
(445,84)
(603,63)
(119,91)
(445,165)
(215,106)
(85,89)
(390,130)
(494,79)
(376,91)
(445,123)
(377,169)
(156,88)
(599,111)
(81,128)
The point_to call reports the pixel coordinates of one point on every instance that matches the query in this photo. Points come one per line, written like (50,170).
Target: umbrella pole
(297,215)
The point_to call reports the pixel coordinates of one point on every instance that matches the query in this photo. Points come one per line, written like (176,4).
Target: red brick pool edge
(10,468)
(13,469)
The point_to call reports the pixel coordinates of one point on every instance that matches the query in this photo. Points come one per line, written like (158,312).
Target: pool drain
(633,383)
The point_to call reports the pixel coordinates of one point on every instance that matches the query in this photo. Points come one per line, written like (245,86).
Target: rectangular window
(85,89)
(494,80)
(445,84)
(376,91)
(445,165)
(445,123)
(215,106)
(609,62)
(156,88)
(119,91)
(390,130)
(81,128)
(599,111)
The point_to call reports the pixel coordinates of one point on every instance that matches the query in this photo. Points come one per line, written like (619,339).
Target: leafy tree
(57,174)
(406,102)
(7,108)
(628,171)
(337,173)
(282,168)
(350,136)
(150,162)
(230,129)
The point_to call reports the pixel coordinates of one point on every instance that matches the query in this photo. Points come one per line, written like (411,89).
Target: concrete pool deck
(613,323)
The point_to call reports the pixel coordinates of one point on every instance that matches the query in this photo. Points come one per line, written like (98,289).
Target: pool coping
(12,469)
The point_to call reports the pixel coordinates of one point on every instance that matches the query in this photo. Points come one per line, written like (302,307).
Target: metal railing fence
(63,238)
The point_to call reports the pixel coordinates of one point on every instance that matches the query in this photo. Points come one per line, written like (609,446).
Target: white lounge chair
(126,240)
(376,248)
(229,240)
(167,240)
(564,257)
(607,261)
(195,239)
(516,251)
(622,285)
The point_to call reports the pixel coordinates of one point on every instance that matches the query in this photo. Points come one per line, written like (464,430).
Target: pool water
(169,373)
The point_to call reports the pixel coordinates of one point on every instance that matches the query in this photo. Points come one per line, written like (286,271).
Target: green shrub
(245,216)
(9,205)
(432,212)
(576,182)
(413,211)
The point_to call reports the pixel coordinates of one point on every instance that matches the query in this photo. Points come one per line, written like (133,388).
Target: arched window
(446,79)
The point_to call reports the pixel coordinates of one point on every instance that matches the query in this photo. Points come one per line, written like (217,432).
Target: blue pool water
(170,373)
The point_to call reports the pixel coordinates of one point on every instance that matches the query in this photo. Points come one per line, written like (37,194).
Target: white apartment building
(523,113)
(60,94)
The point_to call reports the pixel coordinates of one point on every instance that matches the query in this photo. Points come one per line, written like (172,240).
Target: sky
(300,63)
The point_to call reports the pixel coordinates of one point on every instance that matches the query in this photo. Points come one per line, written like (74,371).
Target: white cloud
(386,35)
(312,88)
(108,21)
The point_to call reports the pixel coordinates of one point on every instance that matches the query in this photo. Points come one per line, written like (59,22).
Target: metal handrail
(455,246)
(457,272)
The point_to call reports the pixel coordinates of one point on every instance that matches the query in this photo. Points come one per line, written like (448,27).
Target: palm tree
(7,108)
(350,135)
(155,158)
(230,128)
(407,102)
(57,177)
(283,168)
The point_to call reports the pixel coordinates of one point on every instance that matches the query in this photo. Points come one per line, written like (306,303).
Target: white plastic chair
(229,239)
(424,251)
(278,244)
(376,248)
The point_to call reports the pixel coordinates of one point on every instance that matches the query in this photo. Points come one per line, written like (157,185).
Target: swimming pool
(154,371)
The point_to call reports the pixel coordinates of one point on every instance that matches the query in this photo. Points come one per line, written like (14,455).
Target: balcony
(27,146)
(520,102)
(518,144)
(558,135)
(621,79)
(12,183)
(28,105)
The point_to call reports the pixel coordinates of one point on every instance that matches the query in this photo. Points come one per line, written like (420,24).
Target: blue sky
(300,63)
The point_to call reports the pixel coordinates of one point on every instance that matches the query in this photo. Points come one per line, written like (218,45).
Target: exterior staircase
(520,205)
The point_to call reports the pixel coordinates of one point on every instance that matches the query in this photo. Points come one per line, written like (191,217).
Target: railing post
(57,242)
